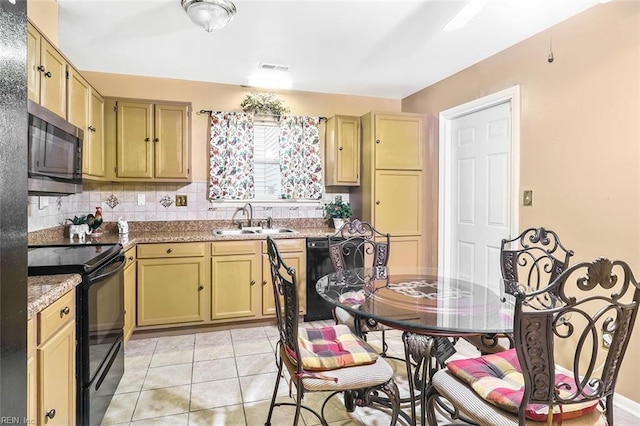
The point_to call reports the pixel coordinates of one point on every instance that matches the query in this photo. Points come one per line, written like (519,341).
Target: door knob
(156,140)
(169,251)
(264,282)
(377,203)
(377,140)
(201,287)
(41,68)
(47,74)
(65,311)
(252,282)
(51,413)
(340,149)
(147,139)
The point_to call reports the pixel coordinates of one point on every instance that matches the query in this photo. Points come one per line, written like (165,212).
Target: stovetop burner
(51,260)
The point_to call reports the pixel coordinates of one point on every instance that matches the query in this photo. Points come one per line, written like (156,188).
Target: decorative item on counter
(123,226)
(78,227)
(94,221)
(338,210)
(263,103)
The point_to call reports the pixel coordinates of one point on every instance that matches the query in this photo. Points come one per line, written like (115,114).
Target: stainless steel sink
(233,231)
(259,231)
(275,231)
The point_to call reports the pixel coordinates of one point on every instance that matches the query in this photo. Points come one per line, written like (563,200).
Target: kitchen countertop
(45,290)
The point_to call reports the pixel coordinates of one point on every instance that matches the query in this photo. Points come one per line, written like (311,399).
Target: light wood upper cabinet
(399,142)
(152,141)
(94,154)
(47,68)
(78,98)
(342,154)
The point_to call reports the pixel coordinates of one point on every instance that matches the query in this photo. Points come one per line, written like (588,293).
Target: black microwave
(55,153)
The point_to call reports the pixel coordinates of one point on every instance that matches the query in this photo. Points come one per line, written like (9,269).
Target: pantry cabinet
(46,73)
(342,151)
(56,364)
(172,284)
(129,293)
(152,141)
(391,194)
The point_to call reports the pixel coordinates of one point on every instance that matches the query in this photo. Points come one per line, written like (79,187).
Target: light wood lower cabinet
(405,253)
(32,373)
(235,274)
(293,254)
(56,364)
(171,284)
(129,293)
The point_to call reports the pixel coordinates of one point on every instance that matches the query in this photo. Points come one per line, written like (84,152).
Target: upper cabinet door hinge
(66,75)
(115,108)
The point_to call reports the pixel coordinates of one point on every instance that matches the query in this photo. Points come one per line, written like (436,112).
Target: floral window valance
(231,156)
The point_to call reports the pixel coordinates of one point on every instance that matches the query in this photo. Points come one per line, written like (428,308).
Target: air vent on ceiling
(273,67)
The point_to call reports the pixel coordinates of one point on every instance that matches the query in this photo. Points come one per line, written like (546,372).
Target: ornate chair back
(588,306)
(534,258)
(285,293)
(358,244)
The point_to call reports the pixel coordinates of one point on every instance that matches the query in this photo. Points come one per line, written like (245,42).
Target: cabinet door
(235,292)
(398,202)
(343,151)
(129,300)
(56,378)
(405,253)
(171,142)
(296,261)
(94,148)
(32,391)
(171,290)
(398,142)
(33,62)
(134,146)
(53,82)
(78,98)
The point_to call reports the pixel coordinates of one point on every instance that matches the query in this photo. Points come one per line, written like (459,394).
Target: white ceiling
(387,49)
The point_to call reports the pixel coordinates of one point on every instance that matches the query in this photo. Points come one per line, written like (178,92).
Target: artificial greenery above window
(263,103)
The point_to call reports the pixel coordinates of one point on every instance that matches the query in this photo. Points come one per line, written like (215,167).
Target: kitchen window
(266,157)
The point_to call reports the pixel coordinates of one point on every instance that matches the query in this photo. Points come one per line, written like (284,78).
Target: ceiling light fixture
(467,13)
(209,14)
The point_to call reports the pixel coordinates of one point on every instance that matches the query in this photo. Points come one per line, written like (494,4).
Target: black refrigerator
(13,212)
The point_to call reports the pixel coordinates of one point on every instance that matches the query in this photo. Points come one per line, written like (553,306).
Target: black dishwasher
(318,265)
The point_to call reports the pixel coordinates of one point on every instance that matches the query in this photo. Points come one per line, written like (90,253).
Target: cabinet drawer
(53,317)
(130,257)
(234,247)
(286,246)
(171,250)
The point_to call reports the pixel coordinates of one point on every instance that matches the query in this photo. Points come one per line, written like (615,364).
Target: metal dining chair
(357,244)
(583,321)
(532,260)
(328,359)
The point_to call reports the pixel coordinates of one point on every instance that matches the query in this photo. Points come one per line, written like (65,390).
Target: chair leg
(391,390)
(385,347)
(296,417)
(275,393)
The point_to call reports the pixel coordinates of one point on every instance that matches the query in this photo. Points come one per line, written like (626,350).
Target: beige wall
(580,132)
(44,15)
(225,97)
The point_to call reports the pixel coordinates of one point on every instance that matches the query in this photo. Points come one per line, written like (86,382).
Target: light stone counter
(44,290)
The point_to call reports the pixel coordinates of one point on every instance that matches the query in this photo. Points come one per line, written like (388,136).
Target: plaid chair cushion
(498,379)
(329,348)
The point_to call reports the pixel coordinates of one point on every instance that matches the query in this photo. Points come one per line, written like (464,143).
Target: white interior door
(478,184)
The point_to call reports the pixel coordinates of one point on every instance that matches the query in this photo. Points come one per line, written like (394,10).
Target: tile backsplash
(121,199)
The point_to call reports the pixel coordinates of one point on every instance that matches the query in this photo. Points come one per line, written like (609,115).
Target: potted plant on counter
(338,210)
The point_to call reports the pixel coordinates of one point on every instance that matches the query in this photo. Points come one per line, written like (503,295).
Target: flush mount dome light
(209,14)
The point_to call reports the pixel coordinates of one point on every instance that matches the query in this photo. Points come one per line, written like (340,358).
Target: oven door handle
(112,268)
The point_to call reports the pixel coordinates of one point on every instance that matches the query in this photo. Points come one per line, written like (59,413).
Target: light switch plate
(527,198)
(141,200)
(181,200)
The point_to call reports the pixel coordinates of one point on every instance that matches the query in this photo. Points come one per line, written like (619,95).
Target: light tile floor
(227,378)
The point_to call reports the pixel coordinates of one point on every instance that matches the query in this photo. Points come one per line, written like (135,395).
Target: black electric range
(99,318)
(69,259)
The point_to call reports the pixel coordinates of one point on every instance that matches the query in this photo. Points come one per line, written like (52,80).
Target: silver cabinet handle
(65,311)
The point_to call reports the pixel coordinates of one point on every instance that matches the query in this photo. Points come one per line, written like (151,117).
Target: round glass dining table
(419,302)
(428,308)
